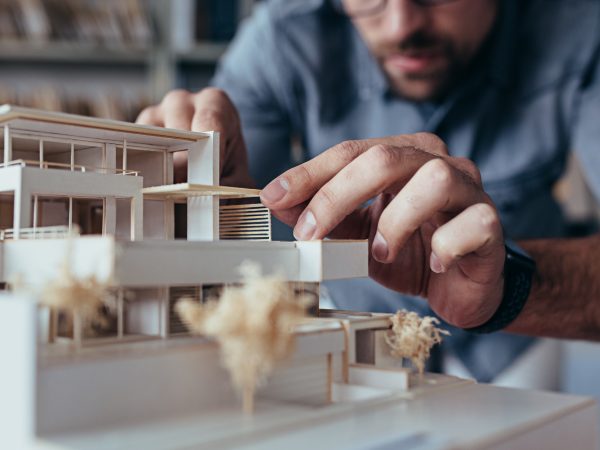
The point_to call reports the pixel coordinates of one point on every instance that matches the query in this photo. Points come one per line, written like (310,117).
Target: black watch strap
(519,269)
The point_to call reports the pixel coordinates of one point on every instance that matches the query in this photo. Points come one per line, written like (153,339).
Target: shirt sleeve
(252,73)
(586,137)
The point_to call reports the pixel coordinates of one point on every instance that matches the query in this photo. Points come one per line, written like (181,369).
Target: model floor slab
(458,415)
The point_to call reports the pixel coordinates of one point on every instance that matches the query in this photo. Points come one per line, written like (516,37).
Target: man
(511,85)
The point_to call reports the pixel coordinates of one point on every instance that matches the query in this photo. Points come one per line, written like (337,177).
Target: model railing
(70,167)
(56,232)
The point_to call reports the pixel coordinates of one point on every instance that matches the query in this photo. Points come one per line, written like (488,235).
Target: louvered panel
(176,326)
(248,222)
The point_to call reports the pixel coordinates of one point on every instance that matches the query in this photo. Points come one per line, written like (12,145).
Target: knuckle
(487,216)
(382,157)
(326,197)
(213,108)
(347,150)
(302,177)
(430,141)
(147,114)
(427,136)
(215,94)
(439,173)
(176,97)
(217,99)
(209,114)
(209,117)
(470,168)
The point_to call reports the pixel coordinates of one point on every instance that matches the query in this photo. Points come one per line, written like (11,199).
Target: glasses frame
(381,5)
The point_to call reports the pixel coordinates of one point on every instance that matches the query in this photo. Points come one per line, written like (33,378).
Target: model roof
(34,120)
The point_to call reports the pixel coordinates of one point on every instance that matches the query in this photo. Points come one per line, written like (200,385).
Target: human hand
(208,110)
(432,229)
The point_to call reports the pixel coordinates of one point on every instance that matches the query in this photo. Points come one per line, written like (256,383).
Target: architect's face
(424,49)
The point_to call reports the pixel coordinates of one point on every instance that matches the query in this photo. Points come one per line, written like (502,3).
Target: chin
(417,93)
(419,90)
(429,86)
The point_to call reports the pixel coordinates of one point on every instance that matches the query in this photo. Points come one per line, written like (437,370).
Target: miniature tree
(413,337)
(254,325)
(83,297)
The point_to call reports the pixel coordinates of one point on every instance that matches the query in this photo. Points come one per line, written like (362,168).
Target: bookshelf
(110,58)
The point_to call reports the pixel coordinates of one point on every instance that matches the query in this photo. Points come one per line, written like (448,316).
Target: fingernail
(275,190)
(305,228)
(436,264)
(380,248)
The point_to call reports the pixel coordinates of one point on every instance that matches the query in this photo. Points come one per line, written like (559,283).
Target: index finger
(385,169)
(302,182)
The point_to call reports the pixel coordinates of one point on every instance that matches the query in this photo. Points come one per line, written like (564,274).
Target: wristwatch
(519,269)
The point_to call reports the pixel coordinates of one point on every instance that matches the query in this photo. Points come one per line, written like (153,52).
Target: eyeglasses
(365,8)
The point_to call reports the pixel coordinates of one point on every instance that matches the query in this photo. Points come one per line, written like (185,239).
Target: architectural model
(93,201)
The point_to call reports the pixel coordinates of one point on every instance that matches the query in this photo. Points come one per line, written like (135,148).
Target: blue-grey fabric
(298,70)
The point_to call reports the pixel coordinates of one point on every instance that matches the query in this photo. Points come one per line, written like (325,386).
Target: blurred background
(111,58)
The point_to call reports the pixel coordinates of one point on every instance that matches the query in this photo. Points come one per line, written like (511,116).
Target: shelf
(65,52)
(203,52)
(57,73)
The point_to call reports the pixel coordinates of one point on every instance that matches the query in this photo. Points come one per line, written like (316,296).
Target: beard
(422,67)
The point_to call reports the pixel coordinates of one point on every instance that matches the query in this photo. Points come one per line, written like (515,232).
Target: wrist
(519,269)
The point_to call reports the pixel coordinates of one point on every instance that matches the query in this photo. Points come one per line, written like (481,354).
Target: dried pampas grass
(254,325)
(83,297)
(412,337)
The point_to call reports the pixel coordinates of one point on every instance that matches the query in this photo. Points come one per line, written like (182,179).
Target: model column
(203,168)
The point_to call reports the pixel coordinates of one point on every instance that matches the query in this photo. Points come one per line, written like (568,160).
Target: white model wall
(151,166)
(143,312)
(90,157)
(138,382)
(123,219)
(154,219)
(180,263)
(333,260)
(18,371)
(78,184)
(131,387)
(85,257)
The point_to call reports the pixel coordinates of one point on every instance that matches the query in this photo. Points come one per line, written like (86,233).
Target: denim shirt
(299,70)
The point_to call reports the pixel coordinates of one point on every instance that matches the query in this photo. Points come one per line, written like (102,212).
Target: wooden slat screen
(249,222)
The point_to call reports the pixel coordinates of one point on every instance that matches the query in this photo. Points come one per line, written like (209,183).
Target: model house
(113,183)
(95,199)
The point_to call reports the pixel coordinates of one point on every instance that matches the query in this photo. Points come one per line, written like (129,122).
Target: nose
(402,18)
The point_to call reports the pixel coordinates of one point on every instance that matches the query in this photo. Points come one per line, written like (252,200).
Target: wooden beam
(186,190)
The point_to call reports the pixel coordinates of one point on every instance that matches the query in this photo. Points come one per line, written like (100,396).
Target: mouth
(417,62)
